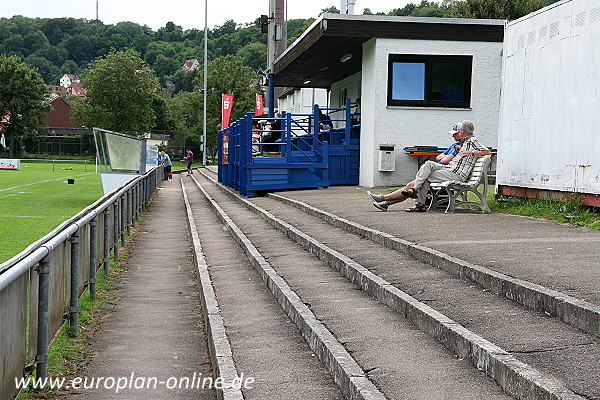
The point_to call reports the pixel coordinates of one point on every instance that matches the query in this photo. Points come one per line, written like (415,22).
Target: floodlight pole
(205,79)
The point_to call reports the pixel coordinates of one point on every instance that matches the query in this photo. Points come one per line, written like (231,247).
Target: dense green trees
(121,94)
(23,100)
(66,45)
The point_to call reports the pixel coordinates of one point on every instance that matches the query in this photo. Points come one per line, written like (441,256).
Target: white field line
(49,180)
(20,216)
(10,195)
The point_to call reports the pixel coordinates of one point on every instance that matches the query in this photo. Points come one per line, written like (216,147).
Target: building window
(429,81)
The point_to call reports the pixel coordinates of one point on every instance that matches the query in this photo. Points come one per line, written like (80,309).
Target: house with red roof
(191,65)
(68,79)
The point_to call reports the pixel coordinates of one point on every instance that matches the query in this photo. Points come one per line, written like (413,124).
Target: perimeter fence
(40,287)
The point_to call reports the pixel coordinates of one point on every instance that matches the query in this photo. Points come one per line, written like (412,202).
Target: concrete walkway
(156,329)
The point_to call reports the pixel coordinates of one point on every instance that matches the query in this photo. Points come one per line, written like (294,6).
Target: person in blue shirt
(449,154)
(166,161)
(383,201)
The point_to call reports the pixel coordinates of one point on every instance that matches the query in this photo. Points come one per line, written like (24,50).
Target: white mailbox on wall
(387,157)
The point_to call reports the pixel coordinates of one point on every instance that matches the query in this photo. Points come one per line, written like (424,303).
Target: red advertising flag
(259,105)
(227,106)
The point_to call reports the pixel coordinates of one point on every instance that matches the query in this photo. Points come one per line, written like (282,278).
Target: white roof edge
(420,20)
(541,10)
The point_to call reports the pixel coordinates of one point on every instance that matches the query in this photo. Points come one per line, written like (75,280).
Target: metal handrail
(126,204)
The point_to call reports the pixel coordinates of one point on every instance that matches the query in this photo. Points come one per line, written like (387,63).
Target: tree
(332,10)
(504,9)
(404,11)
(121,88)
(23,99)
(48,71)
(227,75)
(253,55)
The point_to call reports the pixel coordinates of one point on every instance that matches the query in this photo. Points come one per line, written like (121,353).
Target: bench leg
(452,195)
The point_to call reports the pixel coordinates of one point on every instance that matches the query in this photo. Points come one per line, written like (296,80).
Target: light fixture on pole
(205,81)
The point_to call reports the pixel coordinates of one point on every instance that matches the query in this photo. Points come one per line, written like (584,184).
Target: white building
(68,79)
(415,78)
(550,110)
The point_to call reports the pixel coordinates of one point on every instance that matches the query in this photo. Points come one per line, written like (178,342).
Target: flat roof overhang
(317,55)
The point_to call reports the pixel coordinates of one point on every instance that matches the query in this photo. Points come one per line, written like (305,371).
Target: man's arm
(476,148)
(445,159)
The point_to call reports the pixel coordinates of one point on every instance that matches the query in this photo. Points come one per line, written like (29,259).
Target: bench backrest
(479,172)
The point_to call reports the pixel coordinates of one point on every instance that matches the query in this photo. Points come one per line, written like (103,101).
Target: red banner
(258,111)
(226,110)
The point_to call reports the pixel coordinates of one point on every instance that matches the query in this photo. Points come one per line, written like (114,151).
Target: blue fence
(298,151)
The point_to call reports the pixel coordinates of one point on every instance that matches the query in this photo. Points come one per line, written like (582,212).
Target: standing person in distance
(166,161)
(189,156)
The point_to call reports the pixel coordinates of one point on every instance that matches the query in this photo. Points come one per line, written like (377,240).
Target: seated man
(325,122)
(271,136)
(459,168)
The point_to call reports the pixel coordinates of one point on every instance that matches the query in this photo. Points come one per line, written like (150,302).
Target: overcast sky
(186,13)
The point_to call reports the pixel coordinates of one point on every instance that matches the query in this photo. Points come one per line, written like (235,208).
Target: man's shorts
(168,168)
(189,165)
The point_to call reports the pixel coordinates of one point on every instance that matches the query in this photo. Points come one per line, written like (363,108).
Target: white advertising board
(9,163)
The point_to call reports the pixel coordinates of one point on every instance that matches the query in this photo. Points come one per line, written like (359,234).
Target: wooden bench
(454,189)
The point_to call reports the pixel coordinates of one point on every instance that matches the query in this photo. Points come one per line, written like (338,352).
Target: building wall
(550,119)
(351,87)
(65,81)
(60,116)
(300,101)
(409,126)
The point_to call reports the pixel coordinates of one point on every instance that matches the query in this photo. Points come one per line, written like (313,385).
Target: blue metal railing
(294,153)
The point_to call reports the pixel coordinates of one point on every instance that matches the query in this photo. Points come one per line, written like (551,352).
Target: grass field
(36,199)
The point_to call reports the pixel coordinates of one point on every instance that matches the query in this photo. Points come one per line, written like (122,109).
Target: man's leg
(425,171)
(436,176)
(397,196)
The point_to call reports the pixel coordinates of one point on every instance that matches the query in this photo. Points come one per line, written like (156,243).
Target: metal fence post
(106,240)
(41,357)
(116,229)
(128,211)
(144,193)
(74,309)
(93,255)
(134,204)
(123,211)
(139,199)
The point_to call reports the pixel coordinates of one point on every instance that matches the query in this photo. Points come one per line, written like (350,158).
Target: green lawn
(36,199)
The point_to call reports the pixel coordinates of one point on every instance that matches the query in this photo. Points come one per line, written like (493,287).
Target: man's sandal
(417,208)
(411,192)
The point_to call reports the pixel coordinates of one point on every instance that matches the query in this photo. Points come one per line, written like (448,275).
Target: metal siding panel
(13,312)
(84,256)
(33,314)
(57,289)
